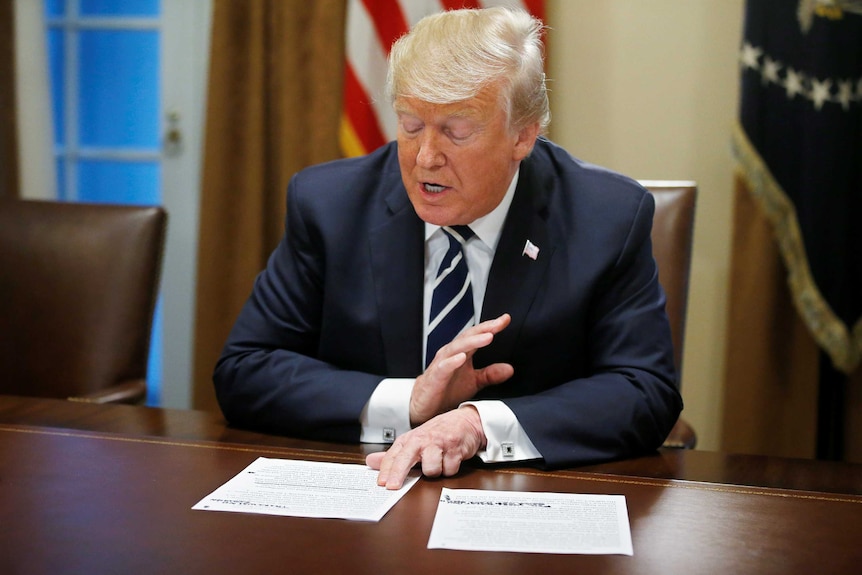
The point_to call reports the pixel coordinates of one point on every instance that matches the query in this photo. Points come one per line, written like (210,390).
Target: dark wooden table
(109,489)
(687,465)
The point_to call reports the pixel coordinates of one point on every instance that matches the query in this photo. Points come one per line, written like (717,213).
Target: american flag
(367,121)
(531,250)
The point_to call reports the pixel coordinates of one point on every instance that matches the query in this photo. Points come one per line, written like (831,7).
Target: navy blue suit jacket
(339,307)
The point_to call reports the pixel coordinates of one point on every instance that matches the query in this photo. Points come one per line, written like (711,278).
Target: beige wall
(649,88)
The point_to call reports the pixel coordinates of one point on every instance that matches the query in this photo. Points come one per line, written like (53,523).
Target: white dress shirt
(387,413)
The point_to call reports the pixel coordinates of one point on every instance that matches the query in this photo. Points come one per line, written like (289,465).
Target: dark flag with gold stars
(799,150)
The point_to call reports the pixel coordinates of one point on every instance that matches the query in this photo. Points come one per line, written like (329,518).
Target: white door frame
(185,62)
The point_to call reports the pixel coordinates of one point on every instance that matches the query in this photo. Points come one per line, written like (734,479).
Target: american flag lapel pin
(531,250)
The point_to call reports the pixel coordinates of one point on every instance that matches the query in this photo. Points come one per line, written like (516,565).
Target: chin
(434,215)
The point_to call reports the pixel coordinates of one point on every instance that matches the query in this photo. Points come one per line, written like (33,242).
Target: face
(457,160)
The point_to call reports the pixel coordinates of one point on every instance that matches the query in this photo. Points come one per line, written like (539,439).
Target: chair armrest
(682,436)
(133,391)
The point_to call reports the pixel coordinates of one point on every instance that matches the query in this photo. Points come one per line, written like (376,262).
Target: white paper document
(474,520)
(306,489)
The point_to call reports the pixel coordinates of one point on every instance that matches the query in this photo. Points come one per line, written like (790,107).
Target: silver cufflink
(388,434)
(508,449)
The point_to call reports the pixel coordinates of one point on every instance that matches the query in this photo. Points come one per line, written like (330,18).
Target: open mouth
(433,188)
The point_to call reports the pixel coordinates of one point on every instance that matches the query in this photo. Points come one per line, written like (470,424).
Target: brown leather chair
(78,285)
(672,238)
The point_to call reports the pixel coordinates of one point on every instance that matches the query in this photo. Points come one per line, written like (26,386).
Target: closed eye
(460,129)
(410,125)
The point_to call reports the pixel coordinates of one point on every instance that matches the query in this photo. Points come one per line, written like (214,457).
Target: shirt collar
(488,227)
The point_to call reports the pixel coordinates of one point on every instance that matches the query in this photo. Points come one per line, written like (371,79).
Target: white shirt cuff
(387,413)
(506,439)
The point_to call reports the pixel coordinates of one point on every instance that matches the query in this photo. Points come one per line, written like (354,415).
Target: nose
(430,155)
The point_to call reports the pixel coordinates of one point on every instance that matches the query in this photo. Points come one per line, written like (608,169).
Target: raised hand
(450,378)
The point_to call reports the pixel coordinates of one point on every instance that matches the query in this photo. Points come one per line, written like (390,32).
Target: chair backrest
(78,285)
(672,238)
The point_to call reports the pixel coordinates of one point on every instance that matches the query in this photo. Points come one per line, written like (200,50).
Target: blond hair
(450,56)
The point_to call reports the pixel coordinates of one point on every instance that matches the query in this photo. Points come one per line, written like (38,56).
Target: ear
(525,142)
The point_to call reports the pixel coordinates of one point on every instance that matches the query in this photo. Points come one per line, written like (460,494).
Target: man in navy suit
(571,359)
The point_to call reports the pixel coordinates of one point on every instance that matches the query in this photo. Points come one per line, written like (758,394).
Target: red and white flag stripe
(367,120)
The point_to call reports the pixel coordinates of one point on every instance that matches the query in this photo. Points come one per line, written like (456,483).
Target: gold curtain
(8,107)
(771,367)
(273,107)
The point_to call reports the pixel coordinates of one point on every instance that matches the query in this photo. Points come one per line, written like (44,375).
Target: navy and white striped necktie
(452,299)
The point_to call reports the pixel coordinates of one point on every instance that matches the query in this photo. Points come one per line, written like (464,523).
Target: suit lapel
(515,277)
(397,256)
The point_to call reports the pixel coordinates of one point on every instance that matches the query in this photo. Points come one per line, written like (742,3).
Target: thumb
(494,374)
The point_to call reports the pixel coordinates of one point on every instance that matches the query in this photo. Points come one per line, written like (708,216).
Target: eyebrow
(468,112)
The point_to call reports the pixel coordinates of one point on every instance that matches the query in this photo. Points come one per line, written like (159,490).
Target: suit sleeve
(268,376)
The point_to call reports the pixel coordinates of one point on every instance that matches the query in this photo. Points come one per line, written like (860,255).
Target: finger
(447,366)
(495,325)
(451,463)
(500,323)
(480,335)
(466,343)
(473,338)
(394,469)
(385,462)
(447,356)
(432,461)
(373,460)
